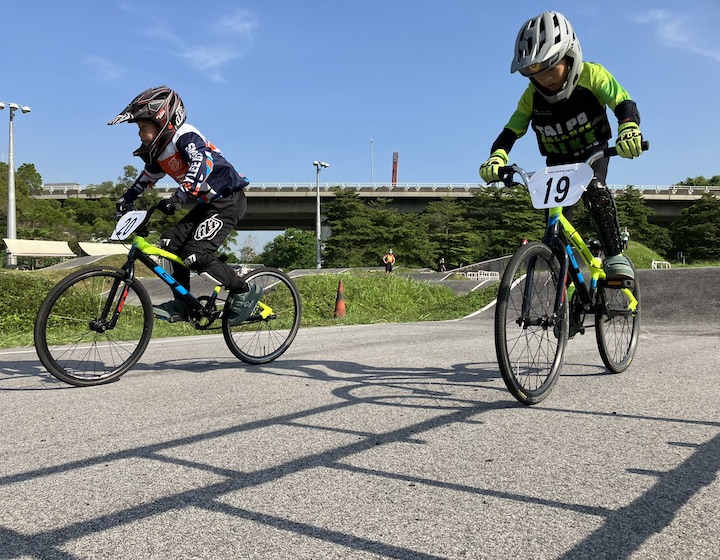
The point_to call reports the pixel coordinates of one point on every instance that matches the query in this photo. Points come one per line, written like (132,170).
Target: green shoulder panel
(603,84)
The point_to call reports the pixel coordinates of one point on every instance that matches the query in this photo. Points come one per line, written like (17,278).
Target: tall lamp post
(319,165)
(372,163)
(11,225)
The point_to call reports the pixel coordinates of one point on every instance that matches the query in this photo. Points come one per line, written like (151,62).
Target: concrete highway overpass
(282,205)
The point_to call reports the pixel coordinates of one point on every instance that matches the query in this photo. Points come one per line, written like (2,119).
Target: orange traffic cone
(340,301)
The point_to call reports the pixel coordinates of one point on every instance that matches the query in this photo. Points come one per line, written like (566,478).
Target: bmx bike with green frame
(95,324)
(544,292)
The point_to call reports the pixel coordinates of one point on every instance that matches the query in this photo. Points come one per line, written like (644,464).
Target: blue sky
(280,83)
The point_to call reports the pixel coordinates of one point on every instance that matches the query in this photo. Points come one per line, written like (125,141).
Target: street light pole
(319,165)
(372,163)
(11,223)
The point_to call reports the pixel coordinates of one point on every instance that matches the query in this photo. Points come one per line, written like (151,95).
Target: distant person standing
(441,263)
(625,237)
(389,260)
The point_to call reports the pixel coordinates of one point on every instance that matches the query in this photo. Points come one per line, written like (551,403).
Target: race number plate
(127,224)
(559,185)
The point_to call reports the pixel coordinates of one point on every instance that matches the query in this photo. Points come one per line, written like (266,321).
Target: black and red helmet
(162,106)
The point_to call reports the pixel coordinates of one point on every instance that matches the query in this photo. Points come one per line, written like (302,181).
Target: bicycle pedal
(620,283)
(170,318)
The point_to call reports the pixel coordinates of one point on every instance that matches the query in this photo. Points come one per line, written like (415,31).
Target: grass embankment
(369,298)
(641,256)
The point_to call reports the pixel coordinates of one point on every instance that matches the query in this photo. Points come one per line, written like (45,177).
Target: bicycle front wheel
(93,326)
(617,327)
(529,339)
(273,324)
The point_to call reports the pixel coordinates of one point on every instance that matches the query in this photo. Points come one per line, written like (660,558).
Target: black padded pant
(197,237)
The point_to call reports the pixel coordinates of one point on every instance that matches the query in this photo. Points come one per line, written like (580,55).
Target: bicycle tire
(68,339)
(259,340)
(530,351)
(617,332)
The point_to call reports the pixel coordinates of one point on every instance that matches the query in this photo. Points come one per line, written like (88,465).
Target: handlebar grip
(506,174)
(612,151)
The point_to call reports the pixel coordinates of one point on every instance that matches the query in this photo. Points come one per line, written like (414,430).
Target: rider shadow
(457,373)
(416,383)
(426,386)
(15,376)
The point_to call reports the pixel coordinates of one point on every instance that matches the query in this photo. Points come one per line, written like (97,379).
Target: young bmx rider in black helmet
(172,147)
(565,103)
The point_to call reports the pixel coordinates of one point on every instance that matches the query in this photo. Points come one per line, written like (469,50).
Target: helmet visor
(121,118)
(538,68)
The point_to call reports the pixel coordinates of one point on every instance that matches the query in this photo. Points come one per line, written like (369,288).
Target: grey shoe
(242,305)
(618,268)
(171,311)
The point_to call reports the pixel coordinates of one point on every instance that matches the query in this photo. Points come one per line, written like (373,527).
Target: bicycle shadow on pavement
(441,393)
(213,497)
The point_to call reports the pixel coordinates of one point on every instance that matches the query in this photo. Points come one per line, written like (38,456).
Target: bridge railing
(75,189)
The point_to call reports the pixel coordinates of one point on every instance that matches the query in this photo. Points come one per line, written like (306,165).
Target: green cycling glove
(490,169)
(629,141)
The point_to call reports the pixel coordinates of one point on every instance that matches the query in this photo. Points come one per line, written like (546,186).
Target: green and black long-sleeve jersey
(568,131)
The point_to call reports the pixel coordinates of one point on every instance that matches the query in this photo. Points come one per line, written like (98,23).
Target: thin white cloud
(210,60)
(104,69)
(680,32)
(241,23)
(237,31)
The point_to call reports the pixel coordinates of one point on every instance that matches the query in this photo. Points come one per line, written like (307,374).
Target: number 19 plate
(559,185)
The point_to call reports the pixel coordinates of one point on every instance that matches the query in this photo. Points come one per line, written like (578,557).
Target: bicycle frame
(143,251)
(562,237)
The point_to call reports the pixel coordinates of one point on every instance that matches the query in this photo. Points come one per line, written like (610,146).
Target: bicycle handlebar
(612,151)
(506,172)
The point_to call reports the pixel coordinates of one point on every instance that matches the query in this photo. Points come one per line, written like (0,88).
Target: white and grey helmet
(542,42)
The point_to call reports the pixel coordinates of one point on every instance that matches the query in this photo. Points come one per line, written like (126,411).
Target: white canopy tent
(37,248)
(100,249)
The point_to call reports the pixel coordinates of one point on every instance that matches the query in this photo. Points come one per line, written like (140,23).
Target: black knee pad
(604,215)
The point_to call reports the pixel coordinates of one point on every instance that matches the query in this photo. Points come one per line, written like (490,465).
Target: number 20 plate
(127,224)
(559,185)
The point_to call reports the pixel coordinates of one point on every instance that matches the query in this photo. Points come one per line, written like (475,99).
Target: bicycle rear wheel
(93,326)
(617,328)
(271,328)
(529,340)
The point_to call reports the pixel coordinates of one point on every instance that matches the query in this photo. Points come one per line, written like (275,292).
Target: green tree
(405,233)
(353,242)
(701,181)
(362,233)
(503,216)
(27,180)
(697,232)
(634,213)
(451,232)
(247,253)
(294,249)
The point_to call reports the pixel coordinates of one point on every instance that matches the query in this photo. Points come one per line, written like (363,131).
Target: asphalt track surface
(382,441)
